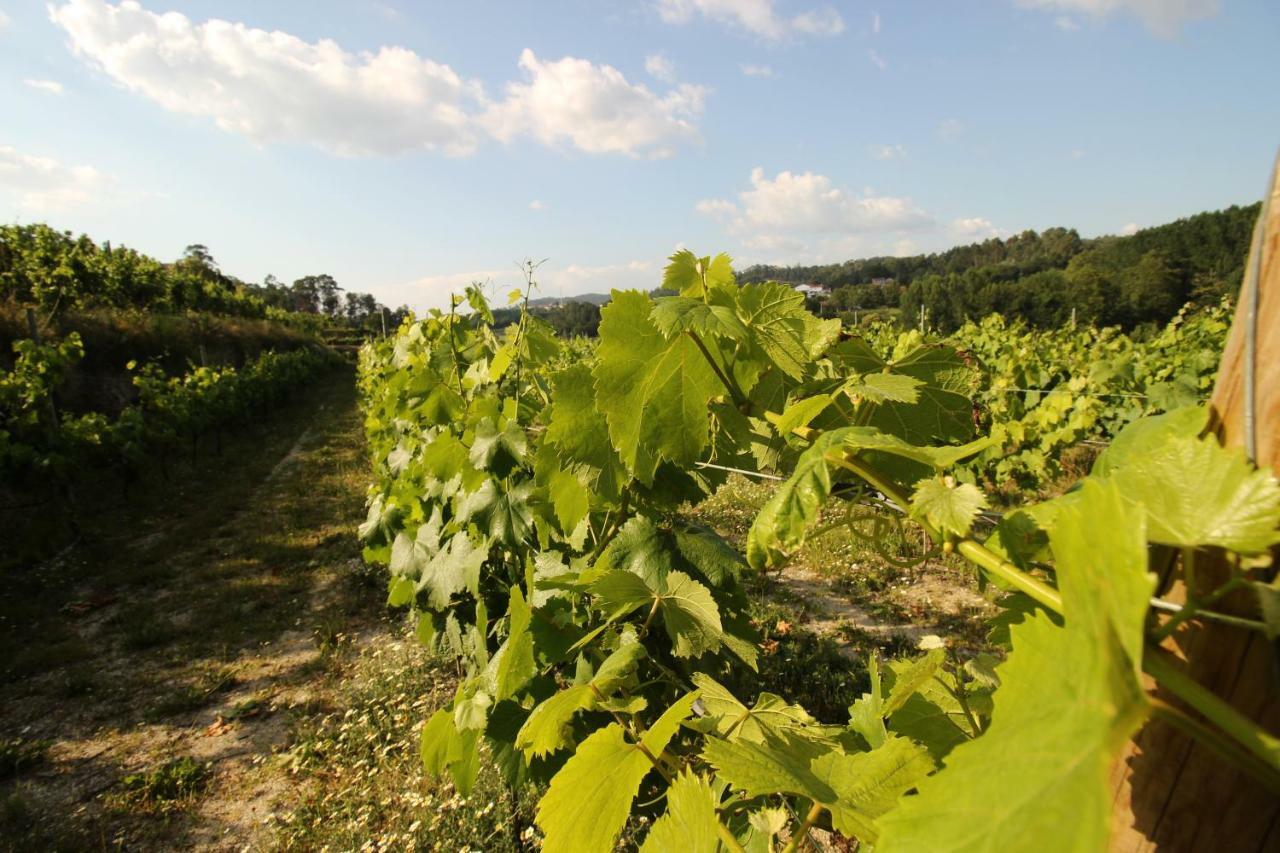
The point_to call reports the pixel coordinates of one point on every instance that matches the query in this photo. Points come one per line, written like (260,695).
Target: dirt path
(195,625)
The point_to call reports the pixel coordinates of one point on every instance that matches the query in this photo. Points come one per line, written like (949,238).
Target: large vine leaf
(652,391)
(941,412)
(683,314)
(689,612)
(547,728)
(771,716)
(948,506)
(785,517)
(781,327)
(1196,492)
(589,800)
(515,664)
(1037,780)
(579,431)
(856,788)
(439,570)
(689,823)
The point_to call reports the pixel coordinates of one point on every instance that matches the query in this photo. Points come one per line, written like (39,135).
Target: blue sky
(409,148)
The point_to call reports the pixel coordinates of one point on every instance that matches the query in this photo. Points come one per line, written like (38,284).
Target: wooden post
(1170,793)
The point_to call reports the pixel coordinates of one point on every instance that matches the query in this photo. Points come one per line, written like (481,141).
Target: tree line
(57,270)
(1046,278)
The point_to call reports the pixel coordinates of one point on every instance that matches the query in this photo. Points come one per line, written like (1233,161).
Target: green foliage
(35,445)
(1088,671)
(527,503)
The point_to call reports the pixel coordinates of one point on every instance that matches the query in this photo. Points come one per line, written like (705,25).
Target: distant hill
(552,301)
(1045,278)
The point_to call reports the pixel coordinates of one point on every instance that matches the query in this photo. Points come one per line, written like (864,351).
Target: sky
(410,148)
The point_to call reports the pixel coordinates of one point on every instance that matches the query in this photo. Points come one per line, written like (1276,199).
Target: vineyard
(531,500)
(590,642)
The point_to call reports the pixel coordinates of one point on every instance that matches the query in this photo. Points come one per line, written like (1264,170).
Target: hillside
(1042,277)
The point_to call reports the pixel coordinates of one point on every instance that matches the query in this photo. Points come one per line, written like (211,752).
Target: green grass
(359,777)
(173,784)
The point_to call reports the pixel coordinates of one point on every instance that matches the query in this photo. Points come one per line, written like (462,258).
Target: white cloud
(888,152)
(950,129)
(660,68)
(275,87)
(756,70)
(754,16)
(1130,229)
(973,229)
(1078,153)
(875,23)
(594,108)
(53,87)
(537,205)
(1066,23)
(4,20)
(877,60)
(1163,17)
(44,185)
(773,209)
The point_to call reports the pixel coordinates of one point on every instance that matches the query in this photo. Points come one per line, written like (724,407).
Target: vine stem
(809,820)
(739,399)
(727,838)
(1245,732)
(1213,740)
(1242,731)
(971,549)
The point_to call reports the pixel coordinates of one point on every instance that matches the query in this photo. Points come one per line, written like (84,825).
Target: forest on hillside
(56,270)
(1043,277)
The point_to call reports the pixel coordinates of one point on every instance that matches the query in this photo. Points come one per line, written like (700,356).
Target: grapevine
(527,506)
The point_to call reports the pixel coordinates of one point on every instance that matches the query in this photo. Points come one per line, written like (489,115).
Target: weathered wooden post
(1172,794)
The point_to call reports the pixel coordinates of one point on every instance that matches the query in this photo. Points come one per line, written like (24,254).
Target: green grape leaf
(589,800)
(441,571)
(505,515)
(1196,492)
(868,785)
(489,442)
(799,413)
(910,681)
(569,499)
(1089,670)
(690,616)
(942,411)
(885,388)
(771,716)
(515,658)
(677,314)
(579,434)
(1143,436)
(547,728)
(641,548)
(857,789)
(620,592)
(784,519)
(783,329)
(685,270)
(654,393)
(950,507)
(689,823)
